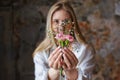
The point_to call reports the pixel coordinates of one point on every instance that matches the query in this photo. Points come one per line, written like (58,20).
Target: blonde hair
(48,42)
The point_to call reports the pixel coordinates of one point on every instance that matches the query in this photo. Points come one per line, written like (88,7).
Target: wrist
(71,74)
(53,74)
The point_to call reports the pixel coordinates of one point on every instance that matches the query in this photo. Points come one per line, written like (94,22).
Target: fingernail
(65,48)
(58,46)
(60,49)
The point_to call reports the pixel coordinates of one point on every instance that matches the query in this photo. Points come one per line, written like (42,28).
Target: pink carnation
(63,39)
(70,38)
(60,36)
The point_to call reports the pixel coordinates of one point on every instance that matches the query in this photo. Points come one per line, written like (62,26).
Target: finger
(64,66)
(59,65)
(69,57)
(58,48)
(72,55)
(56,63)
(67,62)
(53,58)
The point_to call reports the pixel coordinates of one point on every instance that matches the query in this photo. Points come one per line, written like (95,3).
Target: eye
(55,21)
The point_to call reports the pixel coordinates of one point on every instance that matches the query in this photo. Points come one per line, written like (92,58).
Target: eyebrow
(55,19)
(59,19)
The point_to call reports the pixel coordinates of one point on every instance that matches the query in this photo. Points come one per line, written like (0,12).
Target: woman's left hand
(69,64)
(70,61)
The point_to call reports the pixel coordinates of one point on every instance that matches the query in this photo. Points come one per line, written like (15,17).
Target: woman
(75,60)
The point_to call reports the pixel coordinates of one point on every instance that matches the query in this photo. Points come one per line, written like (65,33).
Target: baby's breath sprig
(66,22)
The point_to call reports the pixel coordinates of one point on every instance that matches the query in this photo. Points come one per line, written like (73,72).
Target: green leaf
(62,43)
(66,42)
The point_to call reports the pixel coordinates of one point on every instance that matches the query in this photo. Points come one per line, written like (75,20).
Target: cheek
(54,28)
(68,27)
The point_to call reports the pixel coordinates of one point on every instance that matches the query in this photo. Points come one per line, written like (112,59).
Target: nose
(61,27)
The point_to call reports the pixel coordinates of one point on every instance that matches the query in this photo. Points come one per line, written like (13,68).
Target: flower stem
(61,70)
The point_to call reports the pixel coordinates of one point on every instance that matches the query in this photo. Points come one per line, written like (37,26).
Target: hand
(54,58)
(70,60)
(69,64)
(71,74)
(54,64)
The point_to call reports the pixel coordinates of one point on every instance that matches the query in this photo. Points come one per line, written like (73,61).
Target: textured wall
(100,25)
(99,22)
(29,31)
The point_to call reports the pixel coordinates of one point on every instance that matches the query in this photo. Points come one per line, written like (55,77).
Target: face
(58,20)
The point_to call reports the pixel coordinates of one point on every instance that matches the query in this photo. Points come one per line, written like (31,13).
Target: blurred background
(22,28)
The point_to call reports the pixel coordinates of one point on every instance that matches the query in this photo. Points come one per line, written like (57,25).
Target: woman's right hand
(54,64)
(55,58)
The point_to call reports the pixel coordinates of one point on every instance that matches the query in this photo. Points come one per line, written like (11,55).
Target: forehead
(60,14)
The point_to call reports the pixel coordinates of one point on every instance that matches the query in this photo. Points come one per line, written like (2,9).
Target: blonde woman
(76,60)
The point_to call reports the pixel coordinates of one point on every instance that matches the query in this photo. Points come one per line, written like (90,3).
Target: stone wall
(99,22)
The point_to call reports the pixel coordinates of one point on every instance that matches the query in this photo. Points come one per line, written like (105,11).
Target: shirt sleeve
(86,62)
(41,69)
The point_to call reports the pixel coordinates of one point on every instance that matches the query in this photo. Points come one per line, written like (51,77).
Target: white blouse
(84,53)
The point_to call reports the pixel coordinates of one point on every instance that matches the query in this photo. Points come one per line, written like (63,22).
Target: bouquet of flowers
(64,39)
